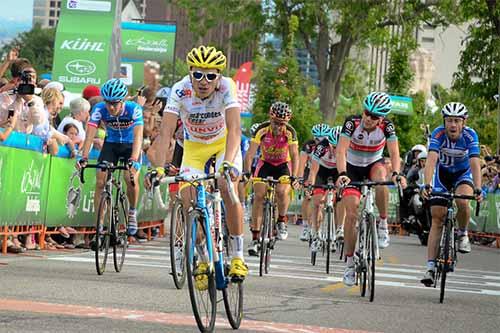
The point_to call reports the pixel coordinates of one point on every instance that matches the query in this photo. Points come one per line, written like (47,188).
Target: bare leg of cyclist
(259,190)
(463,218)
(351,203)
(318,200)
(339,218)
(283,196)
(438,216)
(379,173)
(306,211)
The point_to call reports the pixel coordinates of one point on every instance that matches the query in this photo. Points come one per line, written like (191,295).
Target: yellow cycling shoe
(238,270)
(201,277)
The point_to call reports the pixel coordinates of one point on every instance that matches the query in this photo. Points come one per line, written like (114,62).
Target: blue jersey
(120,128)
(454,155)
(244,145)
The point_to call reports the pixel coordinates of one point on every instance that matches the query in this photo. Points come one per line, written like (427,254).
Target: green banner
(82,50)
(24,176)
(132,73)
(402,105)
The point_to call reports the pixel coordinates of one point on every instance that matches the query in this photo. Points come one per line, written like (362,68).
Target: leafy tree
(37,45)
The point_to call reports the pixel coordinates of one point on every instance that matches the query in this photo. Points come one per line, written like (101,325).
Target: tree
(37,45)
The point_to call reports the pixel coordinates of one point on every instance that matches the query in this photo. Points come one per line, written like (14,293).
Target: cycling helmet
(320,130)
(333,135)
(253,128)
(281,111)
(206,57)
(419,148)
(378,103)
(454,109)
(114,90)
(422,155)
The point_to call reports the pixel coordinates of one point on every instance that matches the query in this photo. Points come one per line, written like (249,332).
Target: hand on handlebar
(478,193)
(234,173)
(294,181)
(153,177)
(81,163)
(426,191)
(342,181)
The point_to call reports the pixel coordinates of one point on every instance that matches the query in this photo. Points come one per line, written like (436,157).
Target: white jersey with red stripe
(365,147)
(324,154)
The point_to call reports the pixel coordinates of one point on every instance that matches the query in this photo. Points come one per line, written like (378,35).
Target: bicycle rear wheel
(371,255)
(120,243)
(103,226)
(233,293)
(264,240)
(178,245)
(362,263)
(329,221)
(203,300)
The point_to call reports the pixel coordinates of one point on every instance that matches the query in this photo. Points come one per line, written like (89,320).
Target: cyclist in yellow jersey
(208,106)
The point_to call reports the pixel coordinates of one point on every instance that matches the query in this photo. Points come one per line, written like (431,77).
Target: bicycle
(269,229)
(328,225)
(447,251)
(208,240)
(367,244)
(112,217)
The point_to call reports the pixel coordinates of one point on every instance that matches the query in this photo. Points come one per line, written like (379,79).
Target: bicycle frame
(368,209)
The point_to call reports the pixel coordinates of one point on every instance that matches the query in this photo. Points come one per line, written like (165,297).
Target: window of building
(52,23)
(427,39)
(52,13)
(39,3)
(53,4)
(59,4)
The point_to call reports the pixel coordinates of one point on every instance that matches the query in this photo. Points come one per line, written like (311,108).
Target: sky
(18,10)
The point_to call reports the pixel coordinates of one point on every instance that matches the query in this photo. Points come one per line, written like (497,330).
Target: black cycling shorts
(112,152)
(359,174)
(264,170)
(178,152)
(325,173)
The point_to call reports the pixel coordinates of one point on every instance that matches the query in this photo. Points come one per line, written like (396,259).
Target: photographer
(20,102)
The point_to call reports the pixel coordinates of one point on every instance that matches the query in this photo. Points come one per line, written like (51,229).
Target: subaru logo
(80,67)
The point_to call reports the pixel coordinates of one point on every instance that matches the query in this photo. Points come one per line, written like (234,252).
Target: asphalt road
(55,291)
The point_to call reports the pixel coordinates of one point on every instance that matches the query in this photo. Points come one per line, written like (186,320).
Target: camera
(26,87)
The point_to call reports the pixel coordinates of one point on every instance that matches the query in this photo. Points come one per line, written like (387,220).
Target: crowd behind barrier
(37,193)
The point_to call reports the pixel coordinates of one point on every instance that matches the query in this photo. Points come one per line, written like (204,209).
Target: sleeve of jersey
(318,152)
(390,131)
(95,117)
(437,138)
(137,115)
(257,137)
(348,128)
(174,101)
(474,149)
(231,95)
(292,136)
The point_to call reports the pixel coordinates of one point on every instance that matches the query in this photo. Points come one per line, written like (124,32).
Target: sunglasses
(198,76)
(113,103)
(371,116)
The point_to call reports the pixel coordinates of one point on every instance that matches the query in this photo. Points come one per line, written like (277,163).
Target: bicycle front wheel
(201,278)
(265,239)
(446,258)
(329,225)
(362,252)
(103,226)
(120,243)
(371,255)
(178,245)
(233,293)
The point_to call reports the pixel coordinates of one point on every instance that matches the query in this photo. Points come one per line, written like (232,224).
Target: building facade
(46,12)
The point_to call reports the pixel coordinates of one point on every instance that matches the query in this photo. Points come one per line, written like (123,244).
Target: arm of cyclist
(247,164)
(294,155)
(430,167)
(89,138)
(136,148)
(303,157)
(476,177)
(233,140)
(393,148)
(159,153)
(341,155)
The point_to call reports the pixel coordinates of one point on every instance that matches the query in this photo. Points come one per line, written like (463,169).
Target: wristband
(395,173)
(343,173)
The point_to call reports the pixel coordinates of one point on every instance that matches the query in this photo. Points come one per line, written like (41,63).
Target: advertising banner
(82,49)
(402,105)
(24,176)
(242,80)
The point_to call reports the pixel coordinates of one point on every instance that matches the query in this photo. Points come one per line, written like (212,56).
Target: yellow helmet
(206,57)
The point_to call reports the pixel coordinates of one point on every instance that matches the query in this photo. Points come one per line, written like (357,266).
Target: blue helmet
(114,90)
(378,103)
(333,136)
(320,130)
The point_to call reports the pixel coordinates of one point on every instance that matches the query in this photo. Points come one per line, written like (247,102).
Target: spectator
(71,131)
(43,83)
(79,114)
(3,82)
(410,158)
(91,91)
(28,108)
(9,125)
(4,66)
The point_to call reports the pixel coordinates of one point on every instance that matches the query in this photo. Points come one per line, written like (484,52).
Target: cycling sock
(237,243)
(350,261)
(305,223)
(383,223)
(462,232)
(282,218)
(431,265)
(255,234)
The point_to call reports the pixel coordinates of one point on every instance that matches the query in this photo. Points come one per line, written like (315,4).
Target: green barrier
(24,176)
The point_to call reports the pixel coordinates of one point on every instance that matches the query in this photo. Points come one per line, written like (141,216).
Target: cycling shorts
(112,152)
(359,174)
(322,178)
(445,181)
(177,158)
(264,170)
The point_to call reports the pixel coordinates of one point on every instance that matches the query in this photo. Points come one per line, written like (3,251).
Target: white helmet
(422,155)
(419,148)
(454,109)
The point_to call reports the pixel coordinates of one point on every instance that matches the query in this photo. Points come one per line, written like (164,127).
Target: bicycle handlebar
(370,183)
(104,166)
(271,180)
(448,195)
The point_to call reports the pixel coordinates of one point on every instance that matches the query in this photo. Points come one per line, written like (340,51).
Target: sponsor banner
(153,42)
(402,105)
(242,80)
(82,49)
(132,73)
(24,178)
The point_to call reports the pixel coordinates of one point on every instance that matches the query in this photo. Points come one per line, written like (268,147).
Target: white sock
(237,243)
(350,261)
(383,224)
